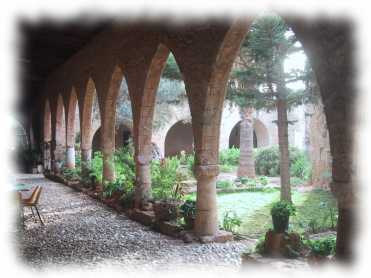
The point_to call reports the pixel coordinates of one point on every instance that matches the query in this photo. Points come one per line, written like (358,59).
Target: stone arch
(88,104)
(47,122)
(179,138)
(71,129)
(261,135)
(108,122)
(142,89)
(123,133)
(47,156)
(60,133)
(71,118)
(86,115)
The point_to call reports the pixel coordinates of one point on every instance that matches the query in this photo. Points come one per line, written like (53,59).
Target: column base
(221,236)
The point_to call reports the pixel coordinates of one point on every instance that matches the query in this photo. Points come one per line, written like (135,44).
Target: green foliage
(123,160)
(267,162)
(71,174)
(96,166)
(125,167)
(229,156)
(226,168)
(189,160)
(263,180)
(322,247)
(301,166)
(165,179)
(283,209)
(253,183)
(171,70)
(111,187)
(231,221)
(188,209)
(294,181)
(259,247)
(224,184)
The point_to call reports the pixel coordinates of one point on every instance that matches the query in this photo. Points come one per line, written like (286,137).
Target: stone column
(206,223)
(55,166)
(47,156)
(85,160)
(143,181)
(108,166)
(70,157)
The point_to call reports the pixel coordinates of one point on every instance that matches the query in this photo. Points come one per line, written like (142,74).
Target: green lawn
(253,208)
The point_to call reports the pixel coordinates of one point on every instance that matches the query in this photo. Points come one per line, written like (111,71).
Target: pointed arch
(47,122)
(108,123)
(86,114)
(71,114)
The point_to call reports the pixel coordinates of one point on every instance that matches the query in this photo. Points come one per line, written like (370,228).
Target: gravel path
(79,231)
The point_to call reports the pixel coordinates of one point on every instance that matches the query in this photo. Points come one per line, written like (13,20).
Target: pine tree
(259,81)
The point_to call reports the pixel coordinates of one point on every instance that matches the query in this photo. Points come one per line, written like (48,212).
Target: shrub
(188,209)
(283,208)
(227,168)
(294,181)
(281,211)
(231,221)
(322,247)
(96,166)
(267,162)
(229,156)
(124,164)
(301,166)
(223,184)
(71,174)
(259,247)
(263,180)
(165,179)
(125,167)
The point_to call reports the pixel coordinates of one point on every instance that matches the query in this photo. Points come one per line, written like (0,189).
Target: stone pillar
(108,166)
(143,182)
(70,157)
(55,166)
(206,223)
(47,156)
(85,160)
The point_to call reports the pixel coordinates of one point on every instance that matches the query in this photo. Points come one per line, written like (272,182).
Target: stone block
(220,237)
(169,228)
(146,218)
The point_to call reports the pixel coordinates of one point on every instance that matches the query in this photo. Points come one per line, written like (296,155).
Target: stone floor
(80,231)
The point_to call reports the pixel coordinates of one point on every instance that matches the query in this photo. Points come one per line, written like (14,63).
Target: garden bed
(147,218)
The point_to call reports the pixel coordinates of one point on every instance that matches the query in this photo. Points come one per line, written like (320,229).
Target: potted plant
(281,212)
(188,210)
(166,189)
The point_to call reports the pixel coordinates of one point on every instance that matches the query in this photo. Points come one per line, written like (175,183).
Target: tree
(259,81)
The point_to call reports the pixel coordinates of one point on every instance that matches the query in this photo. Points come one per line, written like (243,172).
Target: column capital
(207,171)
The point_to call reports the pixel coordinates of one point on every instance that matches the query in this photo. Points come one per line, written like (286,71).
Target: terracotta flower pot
(280,224)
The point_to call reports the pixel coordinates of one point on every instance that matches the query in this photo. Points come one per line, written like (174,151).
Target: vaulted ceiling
(46,45)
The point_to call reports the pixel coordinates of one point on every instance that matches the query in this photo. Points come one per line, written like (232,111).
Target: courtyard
(220,145)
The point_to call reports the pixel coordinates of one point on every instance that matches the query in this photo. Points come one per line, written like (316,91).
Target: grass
(254,210)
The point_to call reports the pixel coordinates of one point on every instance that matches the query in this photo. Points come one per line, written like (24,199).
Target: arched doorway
(261,135)
(179,138)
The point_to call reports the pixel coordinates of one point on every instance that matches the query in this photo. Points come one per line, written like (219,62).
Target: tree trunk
(283,141)
(246,167)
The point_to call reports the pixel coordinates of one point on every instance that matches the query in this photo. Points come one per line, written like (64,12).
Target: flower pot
(166,210)
(280,224)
